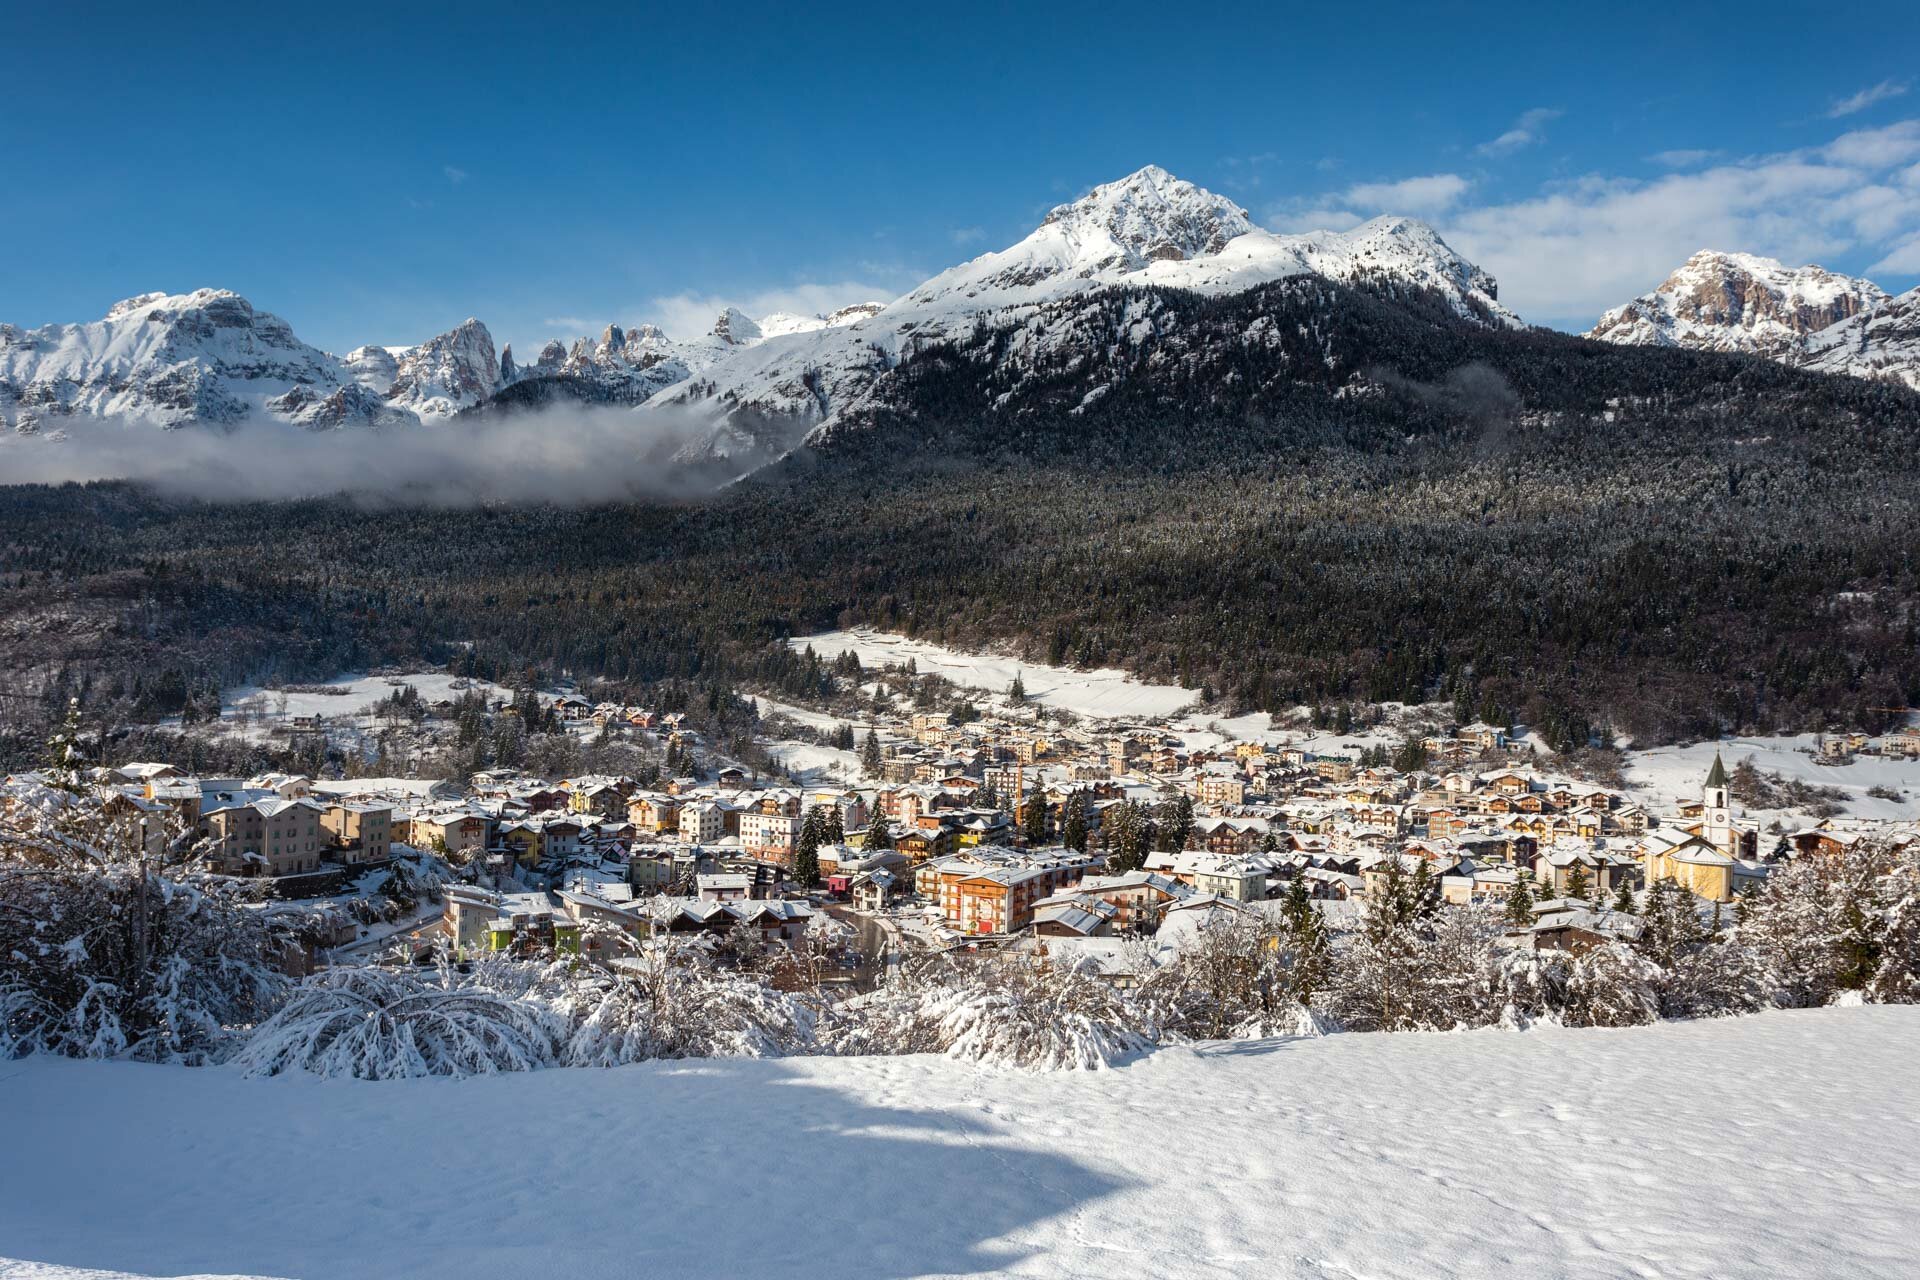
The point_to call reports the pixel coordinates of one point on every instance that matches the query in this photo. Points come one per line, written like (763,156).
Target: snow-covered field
(1786,1144)
(1674,773)
(358,694)
(1103,694)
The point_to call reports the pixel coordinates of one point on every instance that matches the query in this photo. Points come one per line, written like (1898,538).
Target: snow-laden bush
(113,962)
(370,1023)
(1610,986)
(1017,1013)
(1828,924)
(1012,1011)
(670,1003)
(1533,986)
(1713,980)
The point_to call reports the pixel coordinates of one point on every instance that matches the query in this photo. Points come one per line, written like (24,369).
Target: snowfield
(1674,773)
(1785,1144)
(1105,694)
(357,694)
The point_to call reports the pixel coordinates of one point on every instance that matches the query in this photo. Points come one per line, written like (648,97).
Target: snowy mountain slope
(1883,342)
(1148,229)
(630,365)
(206,356)
(1742,303)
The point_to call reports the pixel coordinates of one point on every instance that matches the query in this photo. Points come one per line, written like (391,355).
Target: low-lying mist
(575,455)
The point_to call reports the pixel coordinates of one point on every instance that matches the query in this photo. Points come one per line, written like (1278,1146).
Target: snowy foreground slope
(1786,1144)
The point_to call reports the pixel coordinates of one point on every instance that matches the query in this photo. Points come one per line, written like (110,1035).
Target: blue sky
(378,174)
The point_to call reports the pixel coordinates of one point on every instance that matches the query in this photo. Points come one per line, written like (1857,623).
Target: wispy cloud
(1867,97)
(1434,193)
(1574,248)
(1529,129)
(964,236)
(1682,158)
(454,175)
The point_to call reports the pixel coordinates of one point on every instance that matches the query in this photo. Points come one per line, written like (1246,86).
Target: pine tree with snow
(1017,691)
(1309,948)
(1623,901)
(1174,823)
(64,760)
(1129,834)
(870,761)
(1519,909)
(1669,923)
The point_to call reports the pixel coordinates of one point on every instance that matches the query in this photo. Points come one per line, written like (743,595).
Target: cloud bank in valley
(567,455)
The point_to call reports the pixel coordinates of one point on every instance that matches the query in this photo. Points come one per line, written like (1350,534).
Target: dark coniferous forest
(1309,493)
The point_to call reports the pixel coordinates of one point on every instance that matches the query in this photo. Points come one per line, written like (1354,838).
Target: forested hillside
(1305,493)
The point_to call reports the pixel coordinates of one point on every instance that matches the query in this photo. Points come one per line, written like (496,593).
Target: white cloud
(1431,194)
(1321,217)
(964,236)
(1573,249)
(1425,197)
(1867,97)
(687,315)
(455,176)
(1683,158)
(1904,260)
(1530,128)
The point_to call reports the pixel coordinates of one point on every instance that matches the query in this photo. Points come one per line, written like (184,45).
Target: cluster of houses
(972,821)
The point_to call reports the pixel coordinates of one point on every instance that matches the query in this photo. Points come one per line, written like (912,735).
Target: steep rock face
(206,356)
(1739,302)
(1883,342)
(344,406)
(374,368)
(447,373)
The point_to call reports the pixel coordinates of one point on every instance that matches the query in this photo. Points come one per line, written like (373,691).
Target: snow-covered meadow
(1670,774)
(350,695)
(1103,694)
(1784,1144)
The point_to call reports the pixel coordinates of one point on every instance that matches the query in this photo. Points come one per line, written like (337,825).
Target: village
(996,830)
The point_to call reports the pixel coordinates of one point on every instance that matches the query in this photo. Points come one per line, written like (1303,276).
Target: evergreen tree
(1309,948)
(1034,820)
(63,752)
(1073,830)
(806,850)
(1623,900)
(1018,689)
(879,835)
(1129,836)
(1520,902)
(1577,881)
(1669,923)
(1175,823)
(870,763)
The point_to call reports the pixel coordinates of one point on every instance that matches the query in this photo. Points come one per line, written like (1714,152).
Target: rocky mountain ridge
(1803,316)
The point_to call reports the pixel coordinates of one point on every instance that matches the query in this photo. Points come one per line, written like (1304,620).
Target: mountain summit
(1720,301)
(1804,316)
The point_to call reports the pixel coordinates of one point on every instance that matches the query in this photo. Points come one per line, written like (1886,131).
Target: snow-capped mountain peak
(204,356)
(1804,316)
(446,373)
(1719,301)
(1147,216)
